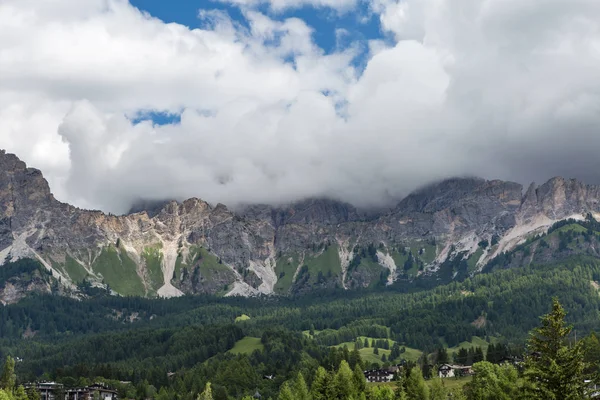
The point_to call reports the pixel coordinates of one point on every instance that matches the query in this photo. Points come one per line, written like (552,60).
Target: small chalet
(450,371)
(379,375)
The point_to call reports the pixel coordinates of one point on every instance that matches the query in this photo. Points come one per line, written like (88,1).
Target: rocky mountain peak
(167,247)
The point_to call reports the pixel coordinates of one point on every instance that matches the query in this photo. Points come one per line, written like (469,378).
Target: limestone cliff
(171,248)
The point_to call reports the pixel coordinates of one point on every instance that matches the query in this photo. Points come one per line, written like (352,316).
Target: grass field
(119,272)
(327,263)
(429,252)
(285,269)
(476,341)
(153,258)
(75,270)
(247,345)
(366,353)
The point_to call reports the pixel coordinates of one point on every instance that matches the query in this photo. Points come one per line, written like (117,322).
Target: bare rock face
(168,248)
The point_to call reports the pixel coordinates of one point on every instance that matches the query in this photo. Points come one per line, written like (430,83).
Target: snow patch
(388,262)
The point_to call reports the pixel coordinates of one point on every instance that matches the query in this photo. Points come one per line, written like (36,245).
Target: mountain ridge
(194,247)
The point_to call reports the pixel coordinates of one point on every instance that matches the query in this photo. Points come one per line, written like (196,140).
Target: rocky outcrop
(154,250)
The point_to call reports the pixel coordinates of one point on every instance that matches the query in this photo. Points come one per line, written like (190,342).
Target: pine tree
(318,389)
(462,357)
(376,350)
(438,391)
(442,356)
(8,377)
(344,382)
(416,388)
(301,391)
(478,356)
(360,382)
(285,393)
(554,371)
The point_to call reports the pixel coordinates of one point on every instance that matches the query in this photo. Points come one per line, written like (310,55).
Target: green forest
(173,348)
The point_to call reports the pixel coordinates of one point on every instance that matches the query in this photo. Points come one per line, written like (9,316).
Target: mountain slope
(193,247)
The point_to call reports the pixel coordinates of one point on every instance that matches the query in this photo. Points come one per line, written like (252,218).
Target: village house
(56,391)
(379,375)
(97,391)
(47,390)
(450,371)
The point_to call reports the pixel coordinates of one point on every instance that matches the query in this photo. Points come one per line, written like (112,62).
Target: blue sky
(360,23)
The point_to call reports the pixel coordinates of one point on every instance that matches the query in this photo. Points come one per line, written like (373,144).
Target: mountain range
(448,230)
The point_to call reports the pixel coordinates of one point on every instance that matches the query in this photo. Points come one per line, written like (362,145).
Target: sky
(271,101)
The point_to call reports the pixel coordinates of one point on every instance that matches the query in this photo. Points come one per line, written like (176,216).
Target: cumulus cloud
(281,5)
(497,88)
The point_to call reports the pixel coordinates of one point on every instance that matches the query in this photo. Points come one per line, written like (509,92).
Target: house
(450,370)
(379,375)
(594,389)
(47,390)
(96,391)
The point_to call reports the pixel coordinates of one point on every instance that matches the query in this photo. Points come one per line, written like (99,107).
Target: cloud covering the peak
(497,88)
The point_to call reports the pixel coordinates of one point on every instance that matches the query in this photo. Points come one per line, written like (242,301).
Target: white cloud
(498,88)
(281,5)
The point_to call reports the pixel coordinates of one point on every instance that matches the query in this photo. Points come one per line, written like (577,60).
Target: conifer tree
(318,389)
(438,391)
(285,393)
(300,388)
(344,382)
(8,377)
(360,382)
(554,370)
(416,388)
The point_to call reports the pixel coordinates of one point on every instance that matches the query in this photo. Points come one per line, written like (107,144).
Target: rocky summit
(175,248)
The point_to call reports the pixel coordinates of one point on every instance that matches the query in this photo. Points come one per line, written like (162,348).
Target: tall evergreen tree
(344,382)
(442,356)
(8,377)
(438,391)
(416,388)
(553,369)
(478,356)
(463,356)
(301,391)
(285,393)
(360,382)
(318,389)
